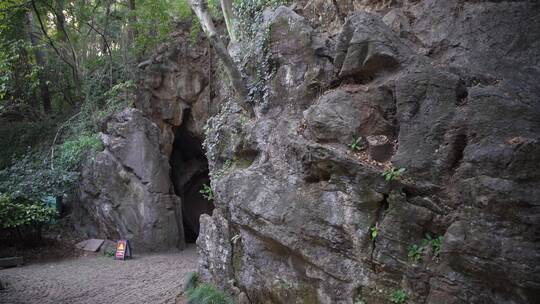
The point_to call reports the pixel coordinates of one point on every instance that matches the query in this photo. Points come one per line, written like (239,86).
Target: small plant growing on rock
(282,284)
(207,294)
(374,232)
(393,173)
(197,292)
(434,243)
(399,296)
(191,281)
(414,252)
(207,192)
(357,144)
(359,300)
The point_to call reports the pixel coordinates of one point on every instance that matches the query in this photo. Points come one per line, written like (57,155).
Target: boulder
(367,47)
(126,188)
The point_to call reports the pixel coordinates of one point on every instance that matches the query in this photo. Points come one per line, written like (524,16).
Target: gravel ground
(148,278)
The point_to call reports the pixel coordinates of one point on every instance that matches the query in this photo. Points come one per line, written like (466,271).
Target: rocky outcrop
(126,188)
(394,151)
(303,218)
(145,185)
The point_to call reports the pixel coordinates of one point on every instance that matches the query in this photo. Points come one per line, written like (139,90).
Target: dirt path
(148,278)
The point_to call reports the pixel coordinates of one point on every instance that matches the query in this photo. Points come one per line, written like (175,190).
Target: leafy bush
(34,179)
(73,150)
(20,137)
(24,216)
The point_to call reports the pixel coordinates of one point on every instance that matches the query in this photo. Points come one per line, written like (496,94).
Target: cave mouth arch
(189,172)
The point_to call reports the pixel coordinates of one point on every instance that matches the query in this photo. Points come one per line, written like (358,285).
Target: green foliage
(414,252)
(73,150)
(282,284)
(374,232)
(17,212)
(393,173)
(399,296)
(32,178)
(18,138)
(192,280)
(110,252)
(359,300)
(434,243)
(155,22)
(357,144)
(207,192)
(206,293)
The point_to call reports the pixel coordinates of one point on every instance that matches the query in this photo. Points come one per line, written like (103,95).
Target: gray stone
(293,225)
(367,47)
(452,83)
(11,262)
(92,245)
(126,188)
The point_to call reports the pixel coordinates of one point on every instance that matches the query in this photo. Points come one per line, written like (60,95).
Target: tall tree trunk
(40,60)
(64,37)
(132,30)
(200,7)
(226,7)
(69,61)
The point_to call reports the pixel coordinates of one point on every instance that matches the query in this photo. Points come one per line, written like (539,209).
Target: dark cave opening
(189,172)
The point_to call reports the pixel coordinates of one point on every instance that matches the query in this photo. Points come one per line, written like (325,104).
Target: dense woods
(64,67)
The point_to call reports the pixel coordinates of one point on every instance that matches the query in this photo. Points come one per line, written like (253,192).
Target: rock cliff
(451,85)
(345,92)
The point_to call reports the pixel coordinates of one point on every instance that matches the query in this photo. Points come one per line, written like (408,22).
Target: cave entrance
(189,172)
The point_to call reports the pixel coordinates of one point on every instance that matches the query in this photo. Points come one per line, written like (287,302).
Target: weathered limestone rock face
(145,185)
(126,187)
(452,85)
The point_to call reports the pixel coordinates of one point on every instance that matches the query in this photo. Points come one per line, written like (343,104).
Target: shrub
(32,178)
(73,150)
(24,216)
